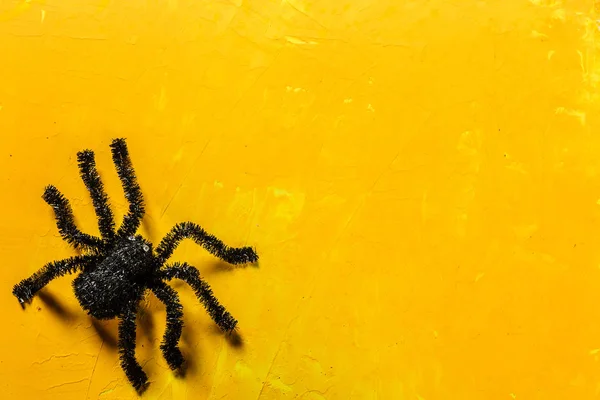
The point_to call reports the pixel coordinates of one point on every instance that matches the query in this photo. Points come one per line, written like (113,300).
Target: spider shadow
(55,306)
(219,266)
(188,350)
(102,328)
(107,330)
(234,338)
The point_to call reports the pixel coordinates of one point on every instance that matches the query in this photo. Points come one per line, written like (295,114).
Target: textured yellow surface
(421,180)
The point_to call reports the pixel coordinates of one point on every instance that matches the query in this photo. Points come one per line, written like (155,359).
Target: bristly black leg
(28,287)
(184,230)
(169,346)
(66,222)
(191,276)
(91,178)
(132,368)
(133,193)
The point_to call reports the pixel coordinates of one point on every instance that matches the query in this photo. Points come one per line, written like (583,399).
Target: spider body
(119,267)
(122,277)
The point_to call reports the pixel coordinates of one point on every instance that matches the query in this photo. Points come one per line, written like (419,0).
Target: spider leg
(66,222)
(185,230)
(133,193)
(129,364)
(169,346)
(191,276)
(27,288)
(93,183)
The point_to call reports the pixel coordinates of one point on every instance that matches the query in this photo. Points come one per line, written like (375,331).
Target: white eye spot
(145,247)
(131,238)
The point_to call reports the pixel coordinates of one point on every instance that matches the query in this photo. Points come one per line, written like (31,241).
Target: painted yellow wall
(421,180)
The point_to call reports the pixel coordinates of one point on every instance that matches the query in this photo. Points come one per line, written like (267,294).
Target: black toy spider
(119,267)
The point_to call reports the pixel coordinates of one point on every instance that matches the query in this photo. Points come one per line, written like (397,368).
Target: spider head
(141,244)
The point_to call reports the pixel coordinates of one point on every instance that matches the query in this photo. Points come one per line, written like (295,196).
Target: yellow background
(421,180)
